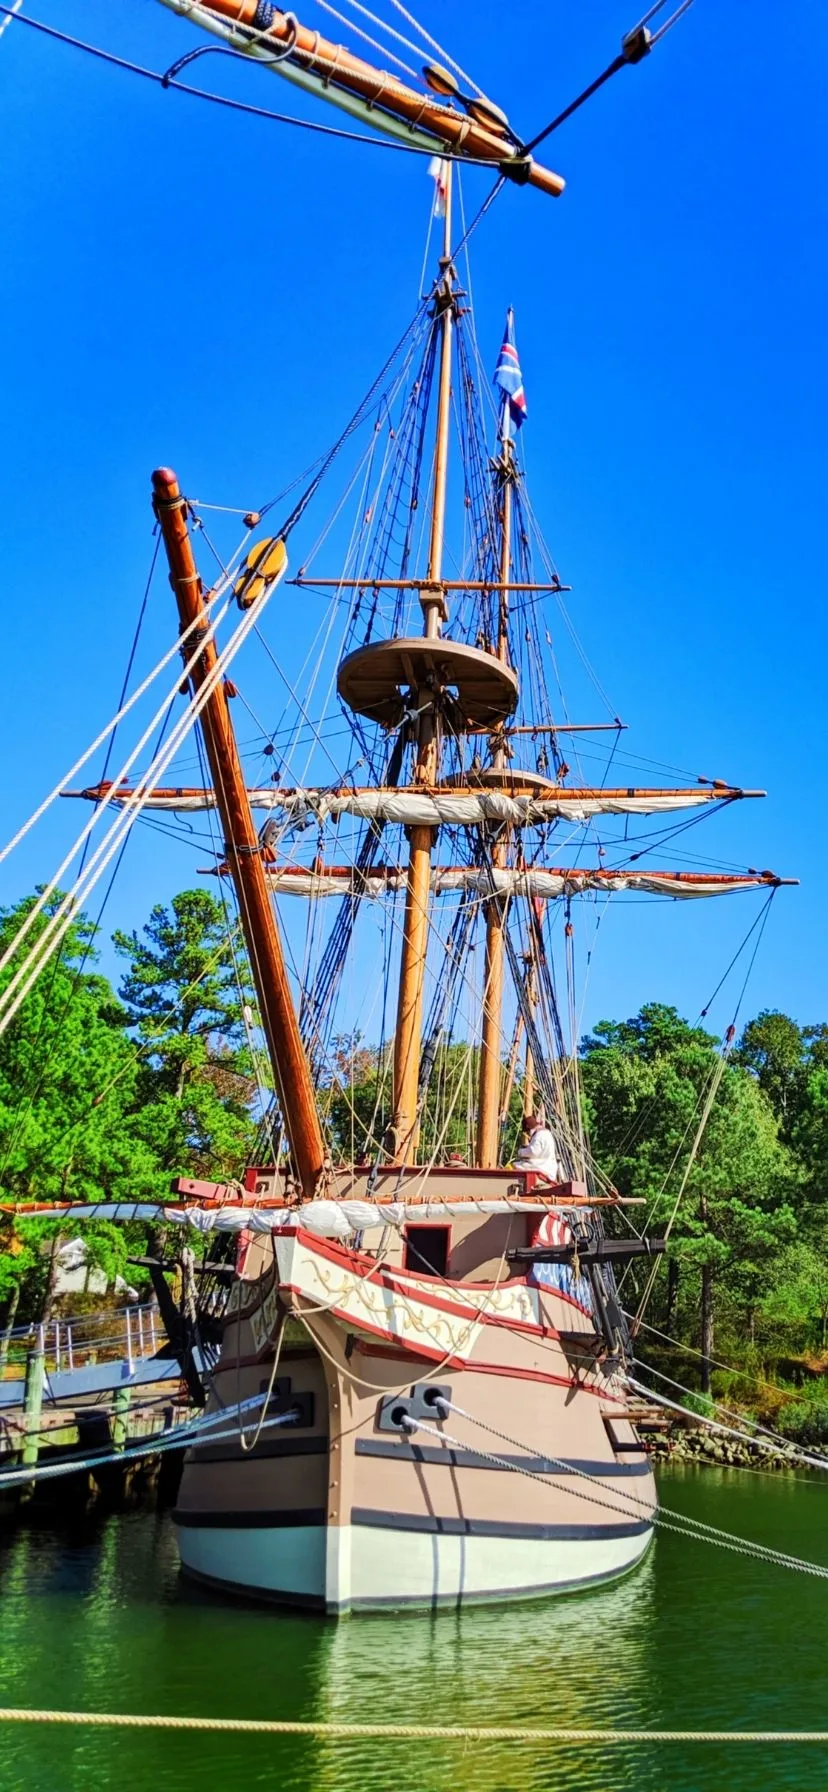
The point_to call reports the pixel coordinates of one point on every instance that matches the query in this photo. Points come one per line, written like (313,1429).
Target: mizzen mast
(243,851)
(489,1105)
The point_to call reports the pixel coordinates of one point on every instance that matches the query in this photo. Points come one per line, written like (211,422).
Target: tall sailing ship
(415,1316)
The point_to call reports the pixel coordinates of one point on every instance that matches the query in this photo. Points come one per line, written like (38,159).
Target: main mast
(242,848)
(408,1036)
(488,1112)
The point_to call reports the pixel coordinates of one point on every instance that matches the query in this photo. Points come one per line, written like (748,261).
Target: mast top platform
(379,681)
(508,778)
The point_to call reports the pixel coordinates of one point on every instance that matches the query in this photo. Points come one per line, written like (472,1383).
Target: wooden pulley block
(265,562)
(441,81)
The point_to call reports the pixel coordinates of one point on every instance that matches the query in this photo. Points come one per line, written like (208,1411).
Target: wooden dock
(79,1395)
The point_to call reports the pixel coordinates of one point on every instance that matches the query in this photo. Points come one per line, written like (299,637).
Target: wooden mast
(529,1062)
(404,1128)
(241,845)
(488,1111)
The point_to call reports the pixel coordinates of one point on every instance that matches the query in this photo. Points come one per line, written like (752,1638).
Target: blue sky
(186,285)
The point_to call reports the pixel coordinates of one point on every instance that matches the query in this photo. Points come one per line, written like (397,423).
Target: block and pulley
(265,563)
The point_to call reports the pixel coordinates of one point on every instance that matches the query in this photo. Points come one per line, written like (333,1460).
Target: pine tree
(185,990)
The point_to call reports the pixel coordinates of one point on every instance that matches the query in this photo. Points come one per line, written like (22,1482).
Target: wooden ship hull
(454,1439)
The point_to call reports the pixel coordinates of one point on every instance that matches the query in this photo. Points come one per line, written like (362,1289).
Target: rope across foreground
(122,1720)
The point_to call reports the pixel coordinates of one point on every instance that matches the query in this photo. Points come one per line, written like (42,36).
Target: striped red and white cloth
(553,1232)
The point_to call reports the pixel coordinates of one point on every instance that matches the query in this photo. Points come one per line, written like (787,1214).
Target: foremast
(242,850)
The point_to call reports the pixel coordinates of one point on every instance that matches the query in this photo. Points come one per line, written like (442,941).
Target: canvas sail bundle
(445,808)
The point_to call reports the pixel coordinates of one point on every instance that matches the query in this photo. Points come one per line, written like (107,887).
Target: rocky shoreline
(689,1441)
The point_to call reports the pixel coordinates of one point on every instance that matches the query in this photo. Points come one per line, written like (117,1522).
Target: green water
(98,1618)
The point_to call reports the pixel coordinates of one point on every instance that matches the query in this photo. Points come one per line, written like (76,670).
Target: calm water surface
(99,1619)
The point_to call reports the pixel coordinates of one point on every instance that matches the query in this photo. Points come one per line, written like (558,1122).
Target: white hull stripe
(431,1524)
(368,1567)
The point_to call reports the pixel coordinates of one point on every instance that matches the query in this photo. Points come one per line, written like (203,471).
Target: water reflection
(551,1662)
(98,1617)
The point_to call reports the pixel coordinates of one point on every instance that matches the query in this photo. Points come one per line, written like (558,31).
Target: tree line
(107,1094)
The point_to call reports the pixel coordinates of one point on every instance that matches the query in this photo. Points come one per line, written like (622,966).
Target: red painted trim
(464,1365)
(352,1258)
(389,1277)
(404,1353)
(558,1294)
(470,1367)
(365,1325)
(559,1381)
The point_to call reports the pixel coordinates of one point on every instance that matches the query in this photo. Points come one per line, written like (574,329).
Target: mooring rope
(346,1732)
(201,1430)
(661,1517)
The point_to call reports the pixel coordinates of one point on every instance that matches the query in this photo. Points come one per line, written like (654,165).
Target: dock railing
(129,1334)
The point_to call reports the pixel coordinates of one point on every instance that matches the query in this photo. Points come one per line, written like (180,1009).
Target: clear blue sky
(182,284)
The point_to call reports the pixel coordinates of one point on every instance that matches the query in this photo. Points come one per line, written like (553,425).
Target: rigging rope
(618,62)
(366,38)
(712,1092)
(246,995)
(28,1093)
(660,1516)
(434,45)
(49,889)
(762,1439)
(320,998)
(177,1438)
(328,1730)
(11,14)
(354,422)
(110,728)
(717,1363)
(218,99)
(60,921)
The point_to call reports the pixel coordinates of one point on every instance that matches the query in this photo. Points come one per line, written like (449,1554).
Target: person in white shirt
(540,1151)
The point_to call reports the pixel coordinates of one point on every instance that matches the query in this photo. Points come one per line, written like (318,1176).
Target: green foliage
(104,1099)
(794,1303)
(703,1404)
(809,1132)
(357,1101)
(645,1082)
(185,989)
(805,1421)
(68,1081)
(774,1049)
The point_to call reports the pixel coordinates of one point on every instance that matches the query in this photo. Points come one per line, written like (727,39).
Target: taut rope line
(128,1720)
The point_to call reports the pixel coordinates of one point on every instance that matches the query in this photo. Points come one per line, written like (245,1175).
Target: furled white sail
(339,880)
(328,1219)
(441,808)
(470,808)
